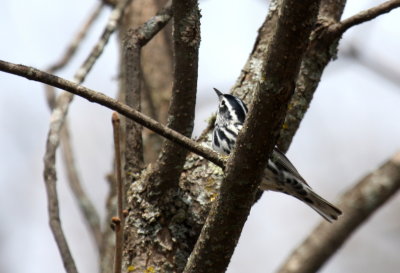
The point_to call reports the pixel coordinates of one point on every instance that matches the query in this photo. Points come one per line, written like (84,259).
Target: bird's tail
(320,205)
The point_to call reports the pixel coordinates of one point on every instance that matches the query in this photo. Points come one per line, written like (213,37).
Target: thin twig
(85,204)
(53,138)
(358,204)
(144,33)
(112,24)
(97,97)
(70,52)
(119,231)
(53,208)
(221,231)
(364,16)
(76,41)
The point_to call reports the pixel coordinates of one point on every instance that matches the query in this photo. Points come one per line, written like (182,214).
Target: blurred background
(351,128)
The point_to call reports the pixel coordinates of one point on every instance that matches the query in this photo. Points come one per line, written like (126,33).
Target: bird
(280,174)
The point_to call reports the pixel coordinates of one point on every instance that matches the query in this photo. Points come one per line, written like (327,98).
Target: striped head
(231,110)
(230,118)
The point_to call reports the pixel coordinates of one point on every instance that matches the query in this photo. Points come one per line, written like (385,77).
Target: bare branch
(131,73)
(251,75)
(97,50)
(53,138)
(358,204)
(156,70)
(365,16)
(119,229)
(245,166)
(76,41)
(319,53)
(181,111)
(50,179)
(322,48)
(107,250)
(85,204)
(93,96)
(70,52)
(144,33)
(90,214)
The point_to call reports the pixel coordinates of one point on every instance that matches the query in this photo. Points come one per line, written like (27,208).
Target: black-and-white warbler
(280,174)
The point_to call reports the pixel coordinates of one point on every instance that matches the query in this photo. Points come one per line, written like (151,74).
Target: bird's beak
(219,93)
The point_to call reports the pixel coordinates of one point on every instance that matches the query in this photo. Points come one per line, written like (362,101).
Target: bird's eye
(223,103)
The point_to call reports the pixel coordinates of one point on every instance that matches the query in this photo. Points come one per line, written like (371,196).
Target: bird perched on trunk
(280,174)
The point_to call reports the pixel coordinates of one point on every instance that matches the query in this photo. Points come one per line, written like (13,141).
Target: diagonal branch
(70,52)
(186,34)
(358,204)
(245,166)
(90,213)
(53,209)
(322,48)
(319,53)
(76,41)
(93,96)
(85,204)
(53,139)
(364,16)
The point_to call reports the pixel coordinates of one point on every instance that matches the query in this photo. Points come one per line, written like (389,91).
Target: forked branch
(364,16)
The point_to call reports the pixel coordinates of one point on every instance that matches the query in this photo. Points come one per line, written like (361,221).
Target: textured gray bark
(162,231)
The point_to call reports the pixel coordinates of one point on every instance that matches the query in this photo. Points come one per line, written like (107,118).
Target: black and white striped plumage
(280,174)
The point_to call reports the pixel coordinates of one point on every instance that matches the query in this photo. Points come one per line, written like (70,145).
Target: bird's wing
(282,161)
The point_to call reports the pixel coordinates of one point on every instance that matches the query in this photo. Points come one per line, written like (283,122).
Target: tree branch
(186,33)
(53,138)
(156,69)
(364,16)
(120,220)
(93,96)
(139,37)
(251,73)
(132,45)
(131,87)
(85,204)
(245,166)
(358,204)
(76,41)
(54,215)
(321,50)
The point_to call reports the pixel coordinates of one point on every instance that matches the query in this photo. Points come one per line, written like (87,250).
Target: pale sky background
(351,128)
